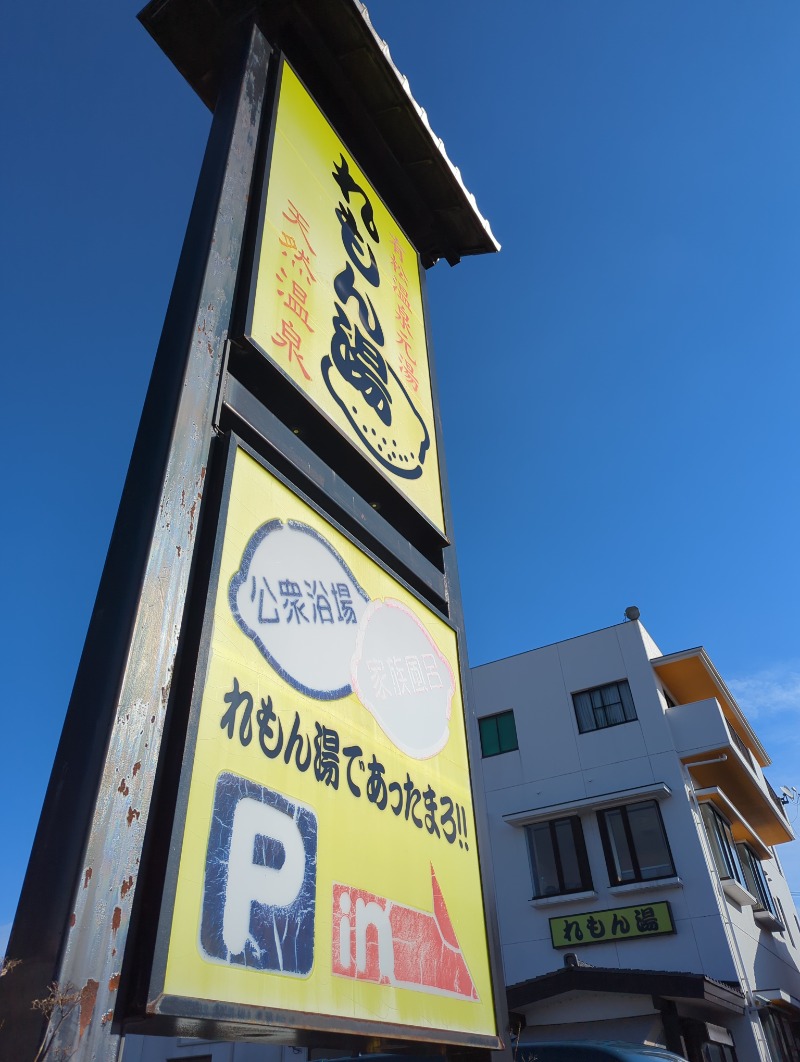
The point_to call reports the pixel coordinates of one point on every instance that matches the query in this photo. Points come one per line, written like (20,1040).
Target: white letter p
(250,882)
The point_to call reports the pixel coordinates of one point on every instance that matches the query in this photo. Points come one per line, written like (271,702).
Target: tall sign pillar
(274,829)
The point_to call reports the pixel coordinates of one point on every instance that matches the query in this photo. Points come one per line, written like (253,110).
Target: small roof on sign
(348,69)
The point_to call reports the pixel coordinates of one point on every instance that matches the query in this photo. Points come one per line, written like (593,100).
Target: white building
(633,841)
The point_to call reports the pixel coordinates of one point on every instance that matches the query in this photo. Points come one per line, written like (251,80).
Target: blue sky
(619,385)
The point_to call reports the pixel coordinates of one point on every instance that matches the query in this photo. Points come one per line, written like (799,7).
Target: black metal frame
(759,886)
(257,414)
(580,851)
(603,726)
(607,843)
(285,436)
(122,699)
(727,845)
(242,413)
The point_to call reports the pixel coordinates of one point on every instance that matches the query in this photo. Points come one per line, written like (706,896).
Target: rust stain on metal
(178,548)
(191,516)
(132,814)
(126,886)
(123,788)
(109,1014)
(183,499)
(113,982)
(88,1000)
(87,877)
(138,765)
(116,920)
(72,920)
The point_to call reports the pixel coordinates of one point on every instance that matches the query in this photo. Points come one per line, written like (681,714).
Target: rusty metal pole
(73,917)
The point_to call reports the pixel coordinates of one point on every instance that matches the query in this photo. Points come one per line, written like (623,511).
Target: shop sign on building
(620,923)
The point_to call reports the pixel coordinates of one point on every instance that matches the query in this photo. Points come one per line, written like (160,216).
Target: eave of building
(348,68)
(691,676)
(653,791)
(740,827)
(741,788)
(664,984)
(777,997)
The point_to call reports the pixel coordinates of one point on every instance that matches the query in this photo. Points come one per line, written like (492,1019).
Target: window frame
(606,836)
(625,701)
(486,719)
(756,879)
(579,851)
(725,844)
(780,1036)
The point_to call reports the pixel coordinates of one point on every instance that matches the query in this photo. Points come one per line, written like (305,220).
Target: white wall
(557,764)
(770,959)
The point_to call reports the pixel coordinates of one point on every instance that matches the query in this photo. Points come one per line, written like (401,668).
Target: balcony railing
(777,801)
(740,745)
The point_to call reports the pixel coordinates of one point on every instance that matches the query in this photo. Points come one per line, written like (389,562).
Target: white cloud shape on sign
(297,599)
(402,678)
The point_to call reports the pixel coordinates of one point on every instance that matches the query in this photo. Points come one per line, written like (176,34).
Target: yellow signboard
(328,863)
(621,923)
(337,300)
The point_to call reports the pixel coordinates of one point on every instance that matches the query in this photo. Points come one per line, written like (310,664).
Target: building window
(498,733)
(722,845)
(781,1037)
(713,1052)
(635,843)
(755,880)
(558,857)
(604,706)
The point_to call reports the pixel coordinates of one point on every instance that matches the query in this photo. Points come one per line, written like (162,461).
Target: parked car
(593,1051)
